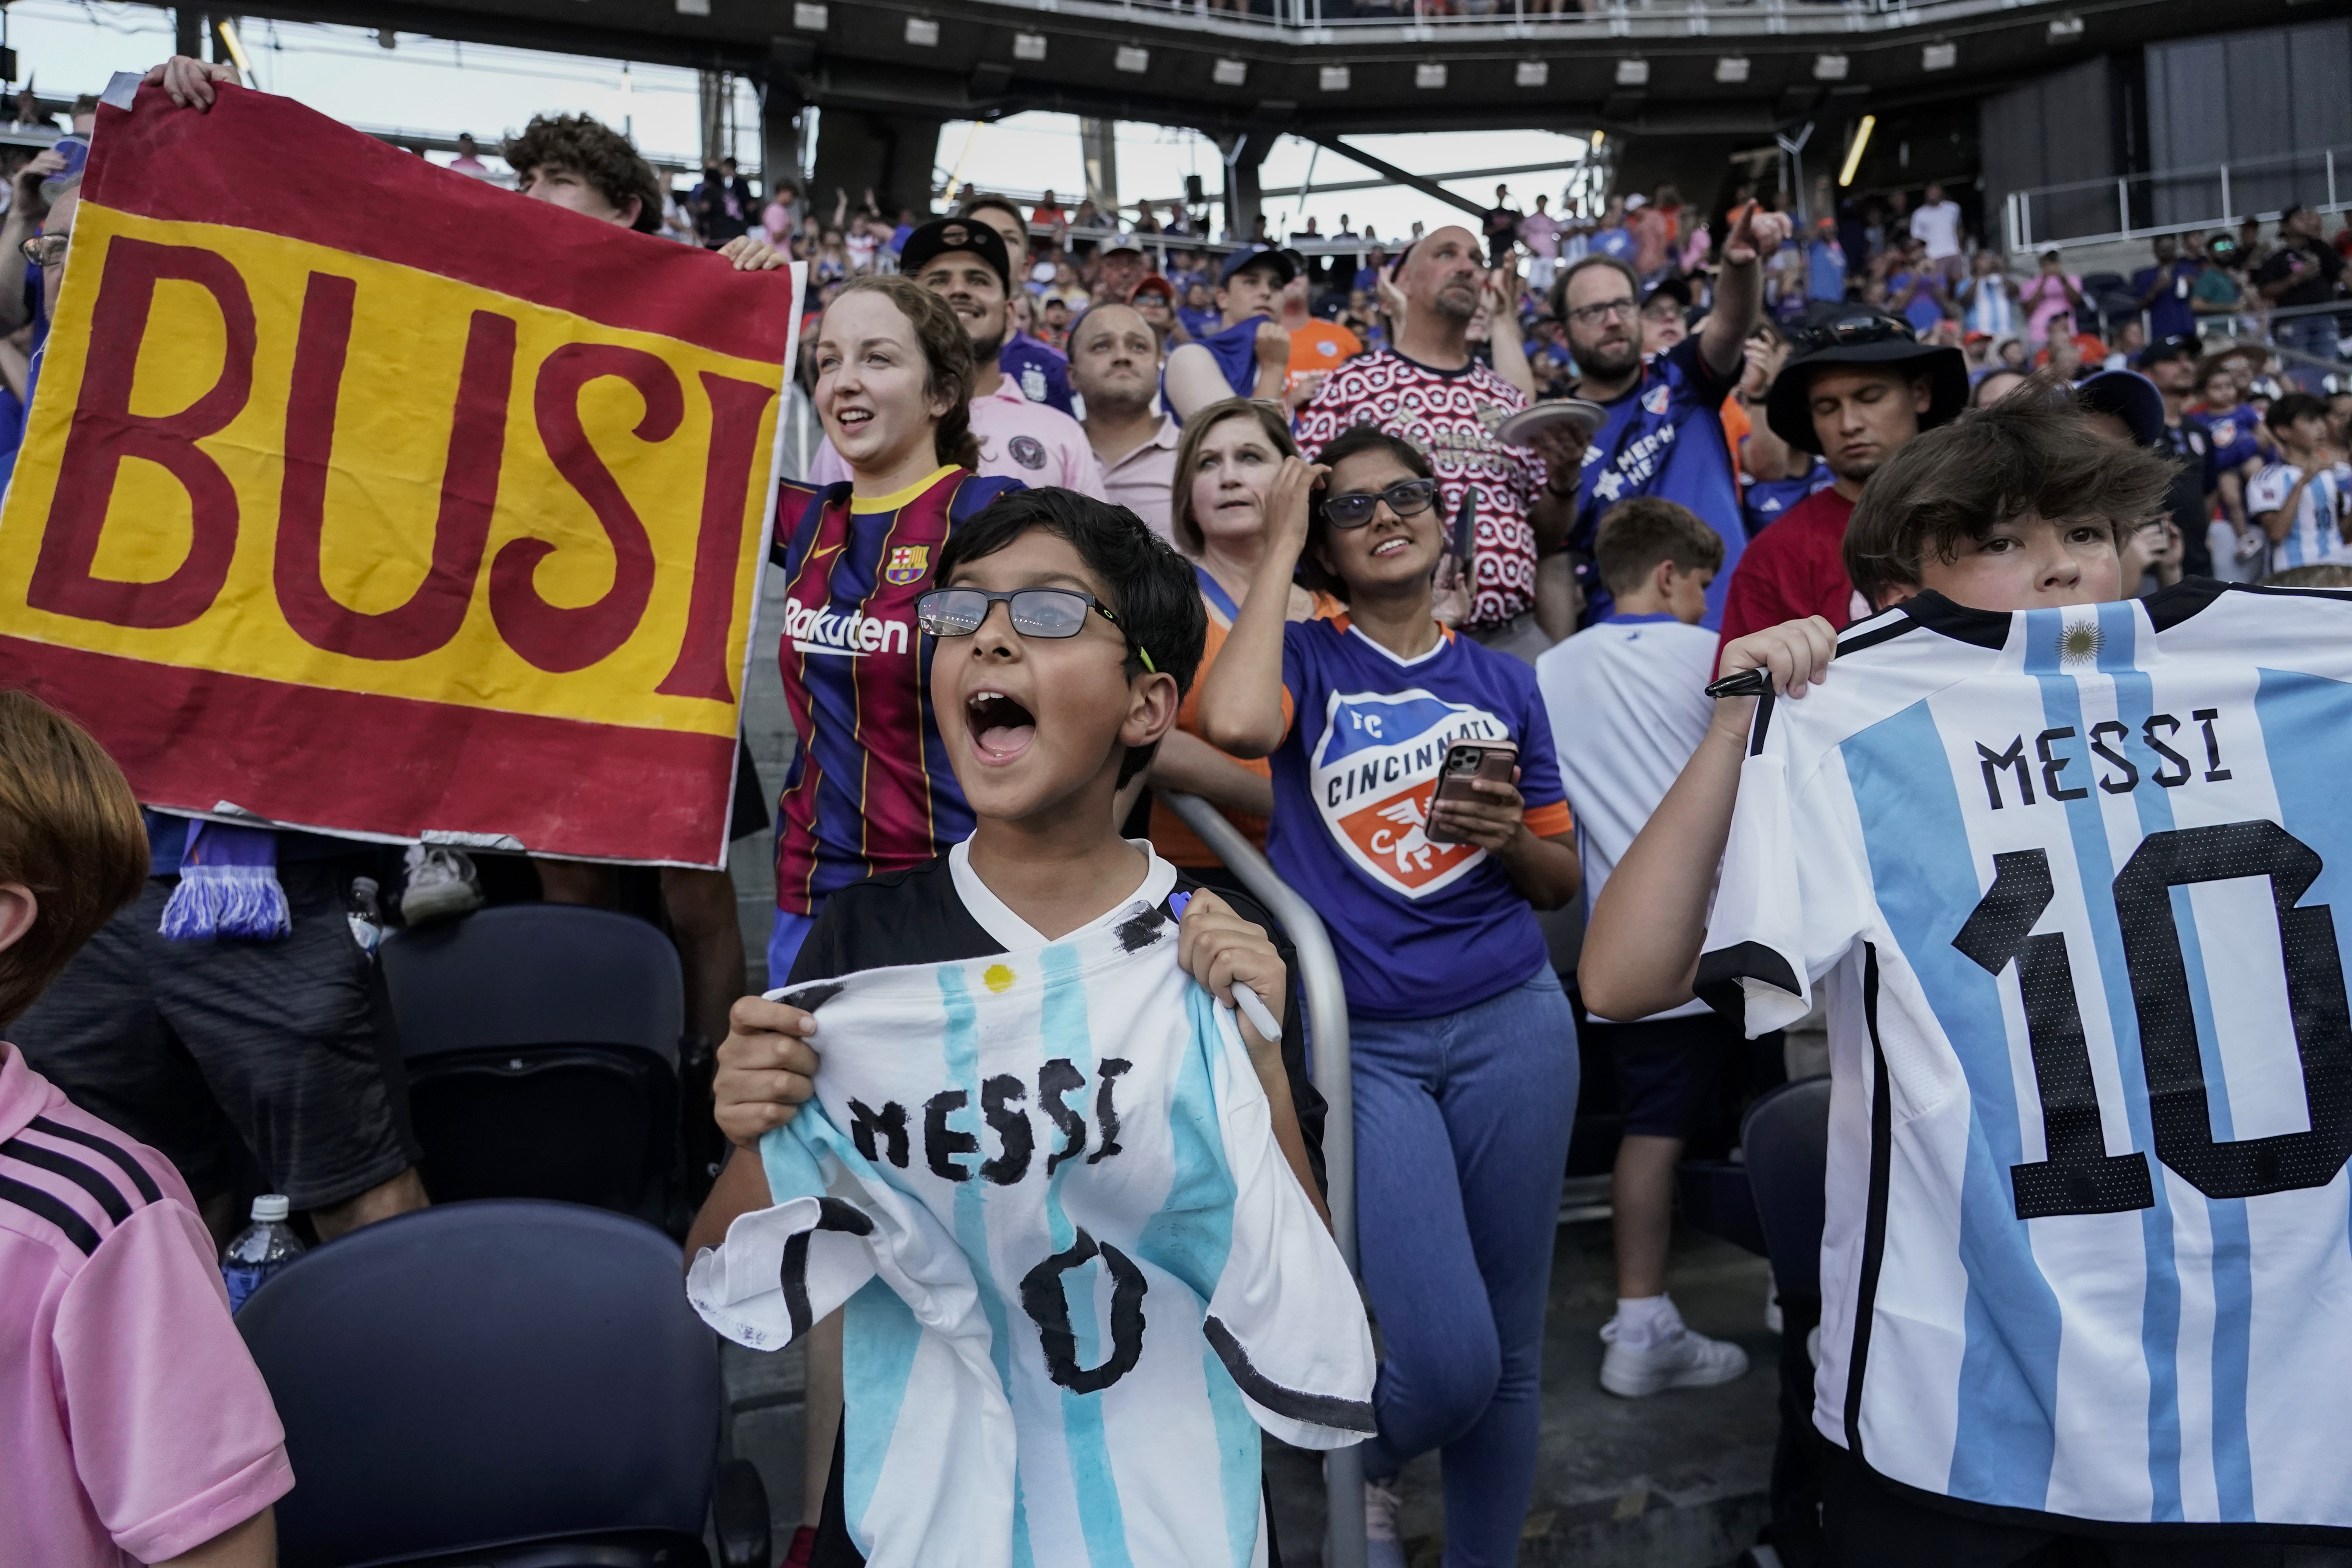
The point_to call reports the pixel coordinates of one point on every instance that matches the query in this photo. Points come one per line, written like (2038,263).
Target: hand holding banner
(370,498)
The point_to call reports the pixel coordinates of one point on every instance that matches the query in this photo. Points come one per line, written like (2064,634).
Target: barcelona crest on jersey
(1375,771)
(907,564)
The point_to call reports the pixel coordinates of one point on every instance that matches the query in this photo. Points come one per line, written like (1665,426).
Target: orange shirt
(1171,835)
(1737,427)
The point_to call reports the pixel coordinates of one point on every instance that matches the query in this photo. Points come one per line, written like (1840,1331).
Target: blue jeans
(1462,1127)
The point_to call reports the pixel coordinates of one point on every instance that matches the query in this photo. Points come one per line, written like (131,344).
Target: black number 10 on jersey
(2078,1175)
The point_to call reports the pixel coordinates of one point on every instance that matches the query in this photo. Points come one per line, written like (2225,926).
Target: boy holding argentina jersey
(2068,873)
(1054,1181)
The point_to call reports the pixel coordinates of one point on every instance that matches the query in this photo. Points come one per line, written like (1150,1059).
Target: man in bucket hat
(1859,386)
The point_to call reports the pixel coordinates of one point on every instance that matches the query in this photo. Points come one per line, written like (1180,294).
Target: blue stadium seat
(501,1385)
(542,1044)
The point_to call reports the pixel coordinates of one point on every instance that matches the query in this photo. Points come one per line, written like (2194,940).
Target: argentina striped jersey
(1079,1275)
(2073,886)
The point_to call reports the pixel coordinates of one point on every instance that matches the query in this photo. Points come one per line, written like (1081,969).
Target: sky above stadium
(434,86)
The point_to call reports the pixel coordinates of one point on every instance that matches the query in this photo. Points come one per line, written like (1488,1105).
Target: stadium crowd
(1513,490)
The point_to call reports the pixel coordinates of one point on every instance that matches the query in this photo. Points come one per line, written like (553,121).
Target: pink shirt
(133,1425)
(1018,440)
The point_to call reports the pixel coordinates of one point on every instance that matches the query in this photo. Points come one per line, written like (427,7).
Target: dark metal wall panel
(2278,94)
(2054,132)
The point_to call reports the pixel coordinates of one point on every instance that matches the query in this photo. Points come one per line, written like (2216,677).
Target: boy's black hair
(1955,482)
(1348,443)
(1151,589)
(1638,533)
(2286,411)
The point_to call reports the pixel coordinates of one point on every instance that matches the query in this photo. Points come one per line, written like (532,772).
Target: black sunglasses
(1853,329)
(1036,612)
(1405,498)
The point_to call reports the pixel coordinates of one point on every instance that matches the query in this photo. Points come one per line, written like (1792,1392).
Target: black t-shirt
(916,916)
(2193,488)
(2321,269)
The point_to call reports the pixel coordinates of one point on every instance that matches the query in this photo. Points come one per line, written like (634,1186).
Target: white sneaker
(1680,1360)
(441,884)
(1383,1548)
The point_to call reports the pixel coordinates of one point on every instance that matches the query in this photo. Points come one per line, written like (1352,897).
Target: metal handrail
(1327,1022)
(2017,212)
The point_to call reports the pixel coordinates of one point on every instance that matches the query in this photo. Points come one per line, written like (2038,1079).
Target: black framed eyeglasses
(1585,315)
(1405,498)
(45,249)
(1848,331)
(1036,612)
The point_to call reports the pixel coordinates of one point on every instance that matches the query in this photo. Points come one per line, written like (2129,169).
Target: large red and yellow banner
(364,497)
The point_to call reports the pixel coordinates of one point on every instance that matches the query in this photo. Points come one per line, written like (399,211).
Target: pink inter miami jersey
(869,789)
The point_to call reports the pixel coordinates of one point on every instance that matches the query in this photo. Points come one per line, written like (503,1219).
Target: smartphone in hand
(1466,762)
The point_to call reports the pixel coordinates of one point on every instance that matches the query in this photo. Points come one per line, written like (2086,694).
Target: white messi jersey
(1080,1276)
(2074,886)
(2316,533)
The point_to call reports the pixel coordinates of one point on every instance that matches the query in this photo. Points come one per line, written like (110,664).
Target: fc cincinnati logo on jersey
(2224,433)
(1655,400)
(1375,770)
(907,564)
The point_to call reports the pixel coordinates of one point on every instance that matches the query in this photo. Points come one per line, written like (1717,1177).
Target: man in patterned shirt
(1430,390)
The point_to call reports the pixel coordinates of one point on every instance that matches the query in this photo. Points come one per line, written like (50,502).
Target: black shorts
(1867,1524)
(1669,1070)
(207,1050)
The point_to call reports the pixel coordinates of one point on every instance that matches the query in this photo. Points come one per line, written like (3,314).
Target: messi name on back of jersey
(2075,887)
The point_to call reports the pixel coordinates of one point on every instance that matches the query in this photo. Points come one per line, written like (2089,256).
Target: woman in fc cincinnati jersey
(1224,466)
(1463,1045)
(869,788)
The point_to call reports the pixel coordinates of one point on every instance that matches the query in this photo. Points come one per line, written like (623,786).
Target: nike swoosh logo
(820,554)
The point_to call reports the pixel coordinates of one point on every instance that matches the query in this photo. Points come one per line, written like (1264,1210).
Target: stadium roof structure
(1324,68)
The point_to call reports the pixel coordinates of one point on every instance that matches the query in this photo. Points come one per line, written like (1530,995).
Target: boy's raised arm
(1642,945)
(766,1071)
(1241,699)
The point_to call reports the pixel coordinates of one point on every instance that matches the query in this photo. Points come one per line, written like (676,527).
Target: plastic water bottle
(366,914)
(260,1249)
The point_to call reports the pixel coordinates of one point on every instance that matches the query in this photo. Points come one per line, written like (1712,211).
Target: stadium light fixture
(923,32)
(2066,29)
(1939,56)
(1731,68)
(1429,73)
(1632,73)
(809,17)
(1132,60)
(1829,68)
(1533,73)
(1028,46)
(1332,79)
(1229,72)
(1854,153)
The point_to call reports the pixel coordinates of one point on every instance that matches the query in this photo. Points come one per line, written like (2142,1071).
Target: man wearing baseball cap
(1249,355)
(1042,370)
(2170,361)
(1119,268)
(1860,385)
(963,261)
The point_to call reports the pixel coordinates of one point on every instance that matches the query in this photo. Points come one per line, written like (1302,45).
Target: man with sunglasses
(1663,435)
(1859,387)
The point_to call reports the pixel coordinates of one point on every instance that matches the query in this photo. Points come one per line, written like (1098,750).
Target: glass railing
(2170,201)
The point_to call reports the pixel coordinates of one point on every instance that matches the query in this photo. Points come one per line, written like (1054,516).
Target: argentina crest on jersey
(1375,770)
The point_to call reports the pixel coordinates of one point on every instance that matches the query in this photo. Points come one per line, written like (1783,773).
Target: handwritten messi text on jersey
(2076,886)
(870,789)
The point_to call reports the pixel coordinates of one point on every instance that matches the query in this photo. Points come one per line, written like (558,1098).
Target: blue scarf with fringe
(228,886)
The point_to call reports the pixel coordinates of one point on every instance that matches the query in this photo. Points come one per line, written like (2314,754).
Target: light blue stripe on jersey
(2226,1224)
(2310,756)
(884,1330)
(2160,1311)
(1917,841)
(1191,1237)
(1062,1019)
